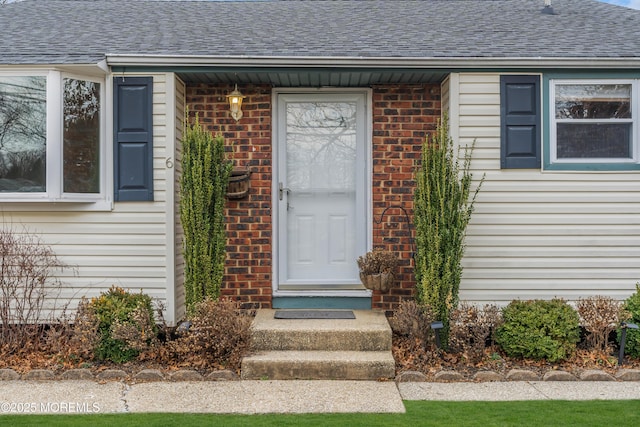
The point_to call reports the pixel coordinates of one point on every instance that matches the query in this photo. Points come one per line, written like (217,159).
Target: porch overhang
(301,71)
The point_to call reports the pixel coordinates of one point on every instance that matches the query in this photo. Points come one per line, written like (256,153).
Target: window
(81,136)
(593,122)
(23,134)
(51,133)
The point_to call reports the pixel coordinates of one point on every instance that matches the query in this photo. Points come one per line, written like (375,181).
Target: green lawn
(419,413)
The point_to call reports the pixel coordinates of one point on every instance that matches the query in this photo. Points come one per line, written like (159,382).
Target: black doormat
(314,314)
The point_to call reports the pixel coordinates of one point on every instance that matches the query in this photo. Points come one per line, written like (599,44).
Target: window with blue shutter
(520,133)
(133,138)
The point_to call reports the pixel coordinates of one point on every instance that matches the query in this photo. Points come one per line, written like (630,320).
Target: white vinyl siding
(541,234)
(125,247)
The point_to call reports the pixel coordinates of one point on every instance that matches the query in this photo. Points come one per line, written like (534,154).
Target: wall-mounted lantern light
(235,103)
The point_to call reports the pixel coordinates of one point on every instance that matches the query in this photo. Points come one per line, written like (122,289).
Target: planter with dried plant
(378,269)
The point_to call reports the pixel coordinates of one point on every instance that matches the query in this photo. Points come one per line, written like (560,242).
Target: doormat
(314,314)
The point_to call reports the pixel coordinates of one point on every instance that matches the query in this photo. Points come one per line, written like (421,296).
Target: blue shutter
(520,132)
(133,138)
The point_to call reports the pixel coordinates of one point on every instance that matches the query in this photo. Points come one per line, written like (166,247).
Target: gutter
(115,60)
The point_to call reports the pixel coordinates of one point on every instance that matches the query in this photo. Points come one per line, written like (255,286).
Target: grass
(419,413)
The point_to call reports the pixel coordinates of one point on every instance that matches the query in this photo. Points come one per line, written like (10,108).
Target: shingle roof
(55,31)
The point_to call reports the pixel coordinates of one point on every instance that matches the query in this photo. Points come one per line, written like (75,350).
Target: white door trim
(367,176)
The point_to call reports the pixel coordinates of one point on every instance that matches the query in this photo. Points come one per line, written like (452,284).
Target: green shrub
(125,324)
(539,329)
(632,307)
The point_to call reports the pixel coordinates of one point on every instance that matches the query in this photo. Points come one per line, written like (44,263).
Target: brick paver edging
(147,375)
(522,375)
(144,375)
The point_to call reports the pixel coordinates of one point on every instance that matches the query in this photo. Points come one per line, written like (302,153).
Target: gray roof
(56,32)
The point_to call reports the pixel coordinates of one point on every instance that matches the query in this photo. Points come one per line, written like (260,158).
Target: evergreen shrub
(204,182)
(539,329)
(443,203)
(118,311)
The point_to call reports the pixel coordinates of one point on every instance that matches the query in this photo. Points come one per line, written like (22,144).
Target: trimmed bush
(125,324)
(539,329)
(632,307)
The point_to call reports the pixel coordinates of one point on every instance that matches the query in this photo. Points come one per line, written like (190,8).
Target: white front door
(321,193)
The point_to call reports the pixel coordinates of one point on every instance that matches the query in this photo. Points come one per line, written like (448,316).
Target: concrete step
(369,331)
(319,365)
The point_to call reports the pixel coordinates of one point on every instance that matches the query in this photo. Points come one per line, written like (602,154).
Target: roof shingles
(57,31)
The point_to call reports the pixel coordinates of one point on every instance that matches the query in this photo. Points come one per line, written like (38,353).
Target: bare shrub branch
(414,320)
(219,336)
(471,327)
(27,280)
(600,316)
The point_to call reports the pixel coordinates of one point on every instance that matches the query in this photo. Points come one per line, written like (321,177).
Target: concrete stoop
(346,349)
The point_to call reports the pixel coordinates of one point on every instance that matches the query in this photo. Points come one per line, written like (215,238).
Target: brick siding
(402,117)
(249,231)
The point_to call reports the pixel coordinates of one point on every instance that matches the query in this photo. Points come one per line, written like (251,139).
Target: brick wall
(402,117)
(249,250)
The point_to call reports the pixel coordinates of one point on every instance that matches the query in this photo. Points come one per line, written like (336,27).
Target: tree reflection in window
(81,137)
(23,134)
(321,146)
(594,121)
(593,101)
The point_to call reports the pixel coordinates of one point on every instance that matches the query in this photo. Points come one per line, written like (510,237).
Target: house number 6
(169,163)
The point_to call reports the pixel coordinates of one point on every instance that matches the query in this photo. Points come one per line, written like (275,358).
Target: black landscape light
(623,338)
(183,327)
(436,326)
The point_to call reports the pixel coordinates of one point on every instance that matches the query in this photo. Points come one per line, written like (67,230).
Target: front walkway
(253,397)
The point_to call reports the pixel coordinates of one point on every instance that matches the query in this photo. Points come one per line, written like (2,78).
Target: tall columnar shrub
(442,208)
(205,177)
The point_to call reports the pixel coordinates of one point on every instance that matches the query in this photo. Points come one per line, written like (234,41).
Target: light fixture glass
(235,103)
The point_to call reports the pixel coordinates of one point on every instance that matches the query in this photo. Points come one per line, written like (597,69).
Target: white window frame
(54,142)
(634,120)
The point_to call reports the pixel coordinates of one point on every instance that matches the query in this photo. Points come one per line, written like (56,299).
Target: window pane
(23,134)
(81,137)
(321,146)
(593,101)
(594,140)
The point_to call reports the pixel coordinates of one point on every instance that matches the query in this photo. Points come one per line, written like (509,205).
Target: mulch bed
(410,355)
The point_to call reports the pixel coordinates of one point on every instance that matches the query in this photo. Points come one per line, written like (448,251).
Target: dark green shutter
(133,138)
(520,133)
